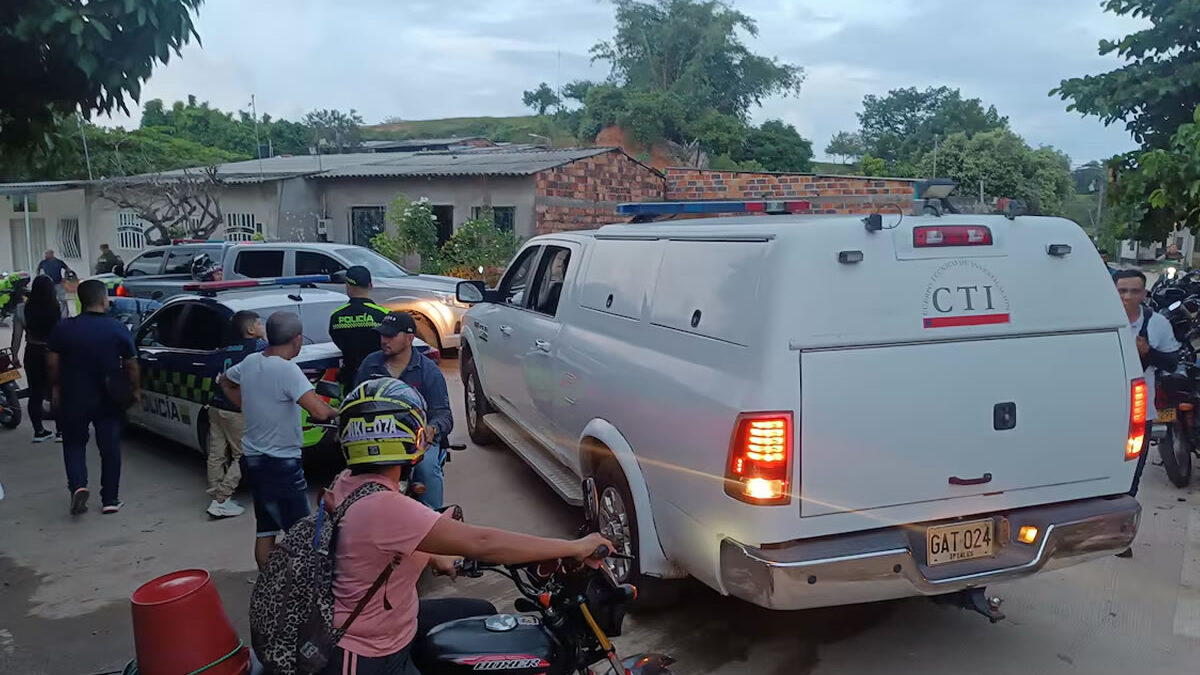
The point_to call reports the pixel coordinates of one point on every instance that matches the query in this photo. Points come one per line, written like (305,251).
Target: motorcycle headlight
(1171,272)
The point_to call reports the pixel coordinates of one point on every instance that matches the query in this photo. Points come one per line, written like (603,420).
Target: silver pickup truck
(160,272)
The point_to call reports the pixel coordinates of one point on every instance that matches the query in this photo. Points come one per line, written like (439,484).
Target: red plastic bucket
(180,627)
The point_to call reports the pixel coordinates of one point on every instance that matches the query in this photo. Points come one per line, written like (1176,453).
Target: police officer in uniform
(352,326)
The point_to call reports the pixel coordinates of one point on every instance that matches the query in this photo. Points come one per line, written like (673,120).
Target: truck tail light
(760,459)
(1138,397)
(934,236)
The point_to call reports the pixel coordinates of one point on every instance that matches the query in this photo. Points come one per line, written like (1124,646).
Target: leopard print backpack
(291,607)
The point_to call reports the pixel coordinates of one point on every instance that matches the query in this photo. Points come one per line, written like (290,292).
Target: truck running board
(560,478)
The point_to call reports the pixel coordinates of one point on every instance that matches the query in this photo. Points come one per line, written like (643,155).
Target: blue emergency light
(645,210)
(241,284)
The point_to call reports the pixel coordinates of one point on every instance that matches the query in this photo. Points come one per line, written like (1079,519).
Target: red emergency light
(933,236)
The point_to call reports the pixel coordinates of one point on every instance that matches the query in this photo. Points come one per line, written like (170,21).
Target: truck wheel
(476,405)
(427,332)
(10,413)
(618,523)
(1176,454)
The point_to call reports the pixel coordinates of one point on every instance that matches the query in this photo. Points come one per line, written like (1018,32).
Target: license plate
(1167,415)
(9,376)
(960,541)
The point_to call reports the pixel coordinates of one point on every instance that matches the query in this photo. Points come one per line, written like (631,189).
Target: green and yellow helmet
(382,422)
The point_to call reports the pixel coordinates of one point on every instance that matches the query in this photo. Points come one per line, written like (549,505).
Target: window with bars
(504,217)
(241,227)
(68,237)
(131,231)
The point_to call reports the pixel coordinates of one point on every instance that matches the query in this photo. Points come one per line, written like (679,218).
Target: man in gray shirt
(271,389)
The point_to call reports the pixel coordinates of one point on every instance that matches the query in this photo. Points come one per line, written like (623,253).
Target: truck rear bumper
(891,563)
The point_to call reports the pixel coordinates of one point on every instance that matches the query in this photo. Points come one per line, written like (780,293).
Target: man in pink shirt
(389,535)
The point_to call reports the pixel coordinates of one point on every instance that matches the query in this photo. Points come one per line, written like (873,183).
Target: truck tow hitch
(975,599)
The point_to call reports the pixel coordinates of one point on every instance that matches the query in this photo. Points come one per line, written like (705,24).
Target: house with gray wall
(341,198)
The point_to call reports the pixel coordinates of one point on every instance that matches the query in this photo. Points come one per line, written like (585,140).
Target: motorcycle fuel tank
(514,644)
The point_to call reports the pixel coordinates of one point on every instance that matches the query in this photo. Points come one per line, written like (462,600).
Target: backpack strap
(362,604)
(1146,314)
(362,491)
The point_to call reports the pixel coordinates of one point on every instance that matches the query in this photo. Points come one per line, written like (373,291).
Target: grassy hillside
(503,129)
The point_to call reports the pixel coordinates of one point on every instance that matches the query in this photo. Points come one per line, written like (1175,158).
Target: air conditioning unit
(323,225)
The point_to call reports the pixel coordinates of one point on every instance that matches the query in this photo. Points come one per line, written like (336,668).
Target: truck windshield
(379,265)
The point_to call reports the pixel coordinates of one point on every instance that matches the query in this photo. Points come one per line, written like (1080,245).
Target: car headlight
(451,300)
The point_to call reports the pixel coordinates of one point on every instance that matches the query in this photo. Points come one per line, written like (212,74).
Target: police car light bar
(214,286)
(651,209)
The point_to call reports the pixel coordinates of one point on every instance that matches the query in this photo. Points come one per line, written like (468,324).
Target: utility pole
(981,193)
(86,157)
(935,149)
(1100,205)
(257,145)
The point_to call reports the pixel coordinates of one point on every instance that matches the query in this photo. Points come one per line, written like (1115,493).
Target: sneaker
(225,509)
(1127,553)
(42,436)
(112,508)
(79,501)
(58,437)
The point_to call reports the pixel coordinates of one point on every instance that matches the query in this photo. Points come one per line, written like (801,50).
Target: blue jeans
(280,492)
(429,472)
(74,427)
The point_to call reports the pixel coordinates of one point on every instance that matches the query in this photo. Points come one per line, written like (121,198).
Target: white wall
(45,231)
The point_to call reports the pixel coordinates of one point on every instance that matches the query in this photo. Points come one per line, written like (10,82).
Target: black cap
(357,275)
(396,323)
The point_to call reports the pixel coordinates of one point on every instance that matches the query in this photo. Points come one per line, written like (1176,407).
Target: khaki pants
(225,430)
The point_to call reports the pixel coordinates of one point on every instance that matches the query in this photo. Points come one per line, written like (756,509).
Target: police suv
(818,410)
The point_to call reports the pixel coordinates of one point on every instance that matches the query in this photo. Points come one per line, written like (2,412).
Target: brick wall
(828,194)
(584,194)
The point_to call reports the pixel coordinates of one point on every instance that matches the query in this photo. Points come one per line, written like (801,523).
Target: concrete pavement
(65,582)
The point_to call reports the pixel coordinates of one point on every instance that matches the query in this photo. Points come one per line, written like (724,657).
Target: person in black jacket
(352,326)
(35,319)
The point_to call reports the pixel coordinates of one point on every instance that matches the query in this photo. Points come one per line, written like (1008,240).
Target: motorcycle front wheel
(10,406)
(1176,453)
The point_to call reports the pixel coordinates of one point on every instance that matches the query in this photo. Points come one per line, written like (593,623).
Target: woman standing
(34,321)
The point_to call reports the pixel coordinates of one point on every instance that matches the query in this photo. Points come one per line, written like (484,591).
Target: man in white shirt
(1156,345)
(270,390)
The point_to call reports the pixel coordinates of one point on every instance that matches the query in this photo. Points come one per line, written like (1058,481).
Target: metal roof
(518,163)
(36,187)
(420,142)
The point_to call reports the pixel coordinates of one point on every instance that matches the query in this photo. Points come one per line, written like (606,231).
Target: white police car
(182,349)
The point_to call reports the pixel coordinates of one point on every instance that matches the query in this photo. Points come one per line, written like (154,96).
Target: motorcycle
(566,614)
(1176,430)
(10,403)
(12,290)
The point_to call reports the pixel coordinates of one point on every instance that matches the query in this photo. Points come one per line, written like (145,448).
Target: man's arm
(52,377)
(135,378)
(318,410)
(1164,348)
(18,333)
(232,391)
(438,399)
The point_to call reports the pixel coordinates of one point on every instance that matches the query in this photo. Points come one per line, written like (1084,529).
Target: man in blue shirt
(54,268)
(89,359)
(398,358)
(226,424)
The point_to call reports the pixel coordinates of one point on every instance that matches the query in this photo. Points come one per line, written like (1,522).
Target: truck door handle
(199,364)
(541,345)
(506,330)
(985,478)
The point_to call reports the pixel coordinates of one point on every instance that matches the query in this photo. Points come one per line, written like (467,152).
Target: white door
(501,328)
(537,350)
(21,253)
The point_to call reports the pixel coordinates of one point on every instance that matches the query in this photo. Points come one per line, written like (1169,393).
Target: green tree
(718,133)
(1087,177)
(847,145)
(541,99)
(413,232)
(777,146)
(1007,166)
(693,49)
(872,166)
(903,125)
(63,56)
(1158,190)
(479,243)
(577,90)
(1155,91)
(335,131)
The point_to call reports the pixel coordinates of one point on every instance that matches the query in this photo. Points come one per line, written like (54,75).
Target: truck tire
(427,332)
(618,523)
(10,415)
(476,405)
(1176,453)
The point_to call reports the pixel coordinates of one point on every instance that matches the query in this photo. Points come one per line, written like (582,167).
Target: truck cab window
(145,264)
(311,262)
(547,287)
(259,264)
(514,283)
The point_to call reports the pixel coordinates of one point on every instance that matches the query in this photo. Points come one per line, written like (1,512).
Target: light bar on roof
(711,207)
(212,286)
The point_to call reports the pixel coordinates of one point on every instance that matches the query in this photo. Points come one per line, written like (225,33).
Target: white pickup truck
(805,411)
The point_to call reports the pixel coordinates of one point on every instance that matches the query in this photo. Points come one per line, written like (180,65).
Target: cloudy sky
(421,59)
